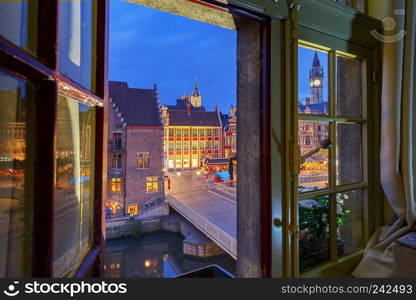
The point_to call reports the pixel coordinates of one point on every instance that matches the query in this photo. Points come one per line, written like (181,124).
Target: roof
(194,118)
(181,104)
(138,107)
(317,108)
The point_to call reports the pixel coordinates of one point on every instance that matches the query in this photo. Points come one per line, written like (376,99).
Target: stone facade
(135,149)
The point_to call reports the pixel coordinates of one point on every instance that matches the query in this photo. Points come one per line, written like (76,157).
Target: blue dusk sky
(304,65)
(148,46)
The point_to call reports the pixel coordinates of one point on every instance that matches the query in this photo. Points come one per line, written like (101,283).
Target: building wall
(115,124)
(179,157)
(143,140)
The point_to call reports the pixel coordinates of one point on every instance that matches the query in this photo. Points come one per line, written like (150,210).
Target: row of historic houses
(146,139)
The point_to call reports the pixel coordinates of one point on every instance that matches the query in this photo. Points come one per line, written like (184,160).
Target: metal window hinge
(294,229)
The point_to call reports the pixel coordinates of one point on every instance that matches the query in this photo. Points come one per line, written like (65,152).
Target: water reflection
(155,255)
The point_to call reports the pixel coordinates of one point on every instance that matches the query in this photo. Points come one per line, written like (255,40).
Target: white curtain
(397,143)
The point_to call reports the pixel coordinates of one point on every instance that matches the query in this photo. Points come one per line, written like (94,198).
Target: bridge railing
(220,237)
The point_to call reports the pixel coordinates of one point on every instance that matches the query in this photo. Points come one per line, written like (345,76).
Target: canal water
(155,255)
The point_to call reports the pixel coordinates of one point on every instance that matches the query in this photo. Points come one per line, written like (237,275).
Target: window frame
(369,56)
(143,156)
(42,70)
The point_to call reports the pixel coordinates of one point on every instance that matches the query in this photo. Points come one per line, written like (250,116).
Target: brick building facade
(191,134)
(135,159)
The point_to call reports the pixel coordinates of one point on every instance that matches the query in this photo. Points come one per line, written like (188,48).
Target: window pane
(349,87)
(350,222)
(74,186)
(314,171)
(18,23)
(312,82)
(16,179)
(314,232)
(349,154)
(76,38)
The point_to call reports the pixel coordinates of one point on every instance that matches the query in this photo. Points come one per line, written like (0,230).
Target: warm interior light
(179,173)
(147,263)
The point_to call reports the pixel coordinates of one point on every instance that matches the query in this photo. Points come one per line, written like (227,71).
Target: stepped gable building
(135,159)
(312,133)
(230,133)
(191,134)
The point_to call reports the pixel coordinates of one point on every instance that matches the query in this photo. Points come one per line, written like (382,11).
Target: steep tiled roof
(193,118)
(138,107)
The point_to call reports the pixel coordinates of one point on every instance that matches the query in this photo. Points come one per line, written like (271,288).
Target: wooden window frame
(42,70)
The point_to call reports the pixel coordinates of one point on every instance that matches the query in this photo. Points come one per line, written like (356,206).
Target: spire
(316,62)
(196,88)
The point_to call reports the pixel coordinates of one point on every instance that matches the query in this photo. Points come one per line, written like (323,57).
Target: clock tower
(316,80)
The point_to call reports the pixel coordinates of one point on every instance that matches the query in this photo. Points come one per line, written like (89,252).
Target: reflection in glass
(314,232)
(76,40)
(314,170)
(16,105)
(349,154)
(18,23)
(74,186)
(350,222)
(349,87)
(312,82)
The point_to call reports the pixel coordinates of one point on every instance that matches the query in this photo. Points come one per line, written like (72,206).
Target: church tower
(196,99)
(316,79)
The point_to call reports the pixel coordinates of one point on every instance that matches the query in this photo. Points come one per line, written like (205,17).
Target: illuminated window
(202,132)
(143,160)
(208,145)
(178,132)
(152,184)
(194,145)
(171,132)
(133,210)
(116,160)
(116,185)
(178,146)
(209,132)
(216,132)
(194,132)
(201,145)
(171,145)
(185,145)
(186,132)
(217,145)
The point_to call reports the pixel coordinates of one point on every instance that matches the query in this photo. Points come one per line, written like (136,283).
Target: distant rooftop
(194,118)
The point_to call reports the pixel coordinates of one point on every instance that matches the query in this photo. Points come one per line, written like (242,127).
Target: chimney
(188,108)
(216,108)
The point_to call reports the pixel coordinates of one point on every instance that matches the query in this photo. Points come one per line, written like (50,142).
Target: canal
(155,255)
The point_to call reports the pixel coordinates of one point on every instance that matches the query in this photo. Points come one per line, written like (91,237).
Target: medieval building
(230,133)
(191,134)
(135,148)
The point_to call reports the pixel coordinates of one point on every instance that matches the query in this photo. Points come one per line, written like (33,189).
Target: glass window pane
(16,178)
(76,38)
(74,186)
(349,87)
(349,154)
(314,171)
(350,222)
(314,232)
(312,82)
(18,23)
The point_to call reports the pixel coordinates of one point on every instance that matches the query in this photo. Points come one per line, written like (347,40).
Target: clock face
(317,82)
